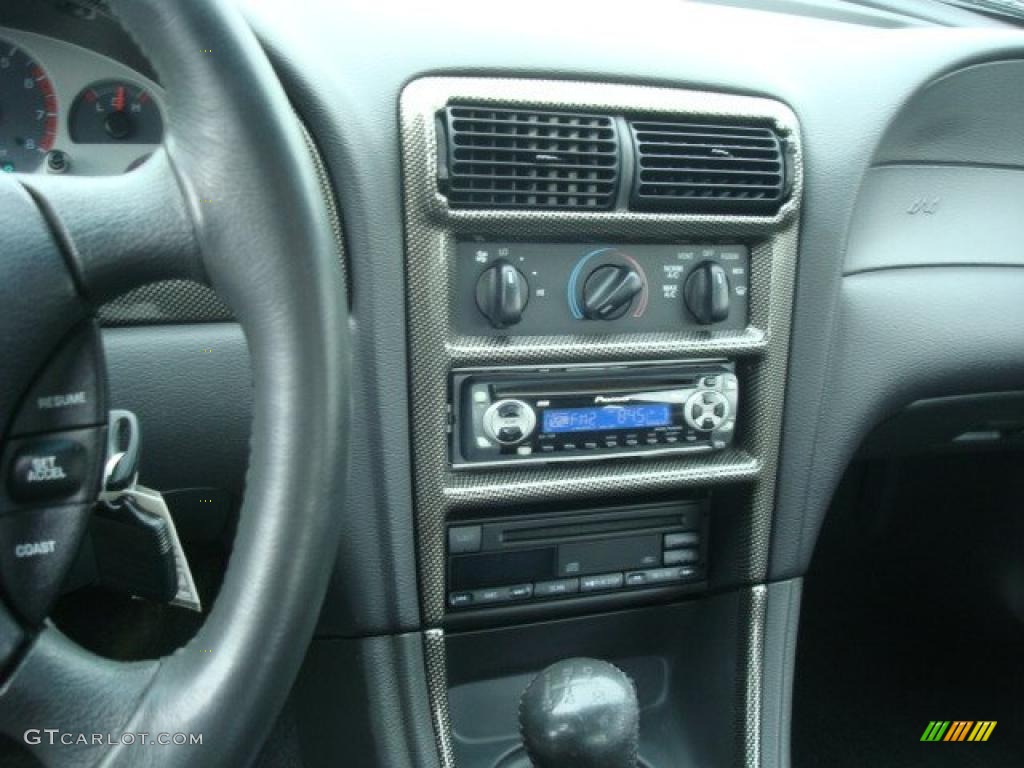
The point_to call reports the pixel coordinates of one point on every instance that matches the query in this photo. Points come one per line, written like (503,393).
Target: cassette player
(591,412)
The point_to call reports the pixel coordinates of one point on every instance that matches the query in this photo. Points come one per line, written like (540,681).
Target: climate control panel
(533,289)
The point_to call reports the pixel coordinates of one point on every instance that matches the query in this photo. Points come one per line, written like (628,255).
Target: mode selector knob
(502,293)
(706,293)
(609,291)
(509,421)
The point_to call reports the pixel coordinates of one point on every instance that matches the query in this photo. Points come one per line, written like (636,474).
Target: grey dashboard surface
(346,64)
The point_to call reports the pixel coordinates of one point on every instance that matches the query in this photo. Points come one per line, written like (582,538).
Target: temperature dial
(115,113)
(609,290)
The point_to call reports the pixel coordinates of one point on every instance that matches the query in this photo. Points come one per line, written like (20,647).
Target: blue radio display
(607,417)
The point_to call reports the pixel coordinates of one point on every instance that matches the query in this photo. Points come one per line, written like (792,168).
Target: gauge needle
(118,101)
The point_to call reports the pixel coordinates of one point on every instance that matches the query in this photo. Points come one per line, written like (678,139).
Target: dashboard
(623,309)
(68,109)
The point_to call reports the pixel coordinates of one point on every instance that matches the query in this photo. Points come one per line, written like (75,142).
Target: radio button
(656,576)
(556,588)
(677,540)
(509,410)
(510,434)
(636,579)
(600,582)
(492,595)
(521,591)
(671,439)
(589,445)
(681,556)
(632,441)
(460,599)
(509,421)
(464,538)
(710,382)
(708,424)
(547,448)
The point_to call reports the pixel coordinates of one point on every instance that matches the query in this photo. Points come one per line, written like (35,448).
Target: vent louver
(518,158)
(709,168)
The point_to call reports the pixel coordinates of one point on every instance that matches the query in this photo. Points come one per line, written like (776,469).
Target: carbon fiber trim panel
(435,347)
(186,301)
(437,685)
(753,604)
(169,301)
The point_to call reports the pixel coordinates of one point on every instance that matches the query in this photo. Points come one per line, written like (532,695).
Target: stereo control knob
(706,410)
(502,293)
(509,421)
(609,291)
(706,293)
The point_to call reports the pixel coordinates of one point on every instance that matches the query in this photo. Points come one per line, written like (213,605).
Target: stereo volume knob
(706,293)
(609,290)
(509,421)
(502,293)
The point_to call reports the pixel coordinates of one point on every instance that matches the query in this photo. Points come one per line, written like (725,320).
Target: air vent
(505,158)
(707,168)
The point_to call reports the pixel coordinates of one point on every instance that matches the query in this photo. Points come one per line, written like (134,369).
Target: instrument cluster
(66,109)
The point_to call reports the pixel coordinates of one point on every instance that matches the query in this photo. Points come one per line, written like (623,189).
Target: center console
(599,285)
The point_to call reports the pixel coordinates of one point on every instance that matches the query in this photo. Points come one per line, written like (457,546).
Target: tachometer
(28,111)
(114,112)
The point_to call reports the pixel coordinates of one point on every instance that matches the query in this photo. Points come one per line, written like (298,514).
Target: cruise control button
(37,547)
(69,393)
(47,469)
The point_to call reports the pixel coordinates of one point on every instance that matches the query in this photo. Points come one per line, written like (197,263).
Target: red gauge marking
(90,96)
(118,101)
(50,124)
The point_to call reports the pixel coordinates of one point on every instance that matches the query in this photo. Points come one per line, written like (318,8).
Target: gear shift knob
(580,713)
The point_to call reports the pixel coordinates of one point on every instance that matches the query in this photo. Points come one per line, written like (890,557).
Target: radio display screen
(607,417)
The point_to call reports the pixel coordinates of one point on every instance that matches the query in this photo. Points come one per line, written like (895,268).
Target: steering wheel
(232,199)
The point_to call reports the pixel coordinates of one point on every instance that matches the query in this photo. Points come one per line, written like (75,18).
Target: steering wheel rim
(231,199)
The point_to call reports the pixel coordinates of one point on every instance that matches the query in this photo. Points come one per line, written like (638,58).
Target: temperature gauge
(115,113)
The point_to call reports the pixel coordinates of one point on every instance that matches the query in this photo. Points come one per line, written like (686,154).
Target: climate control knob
(706,293)
(502,293)
(609,291)
(509,421)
